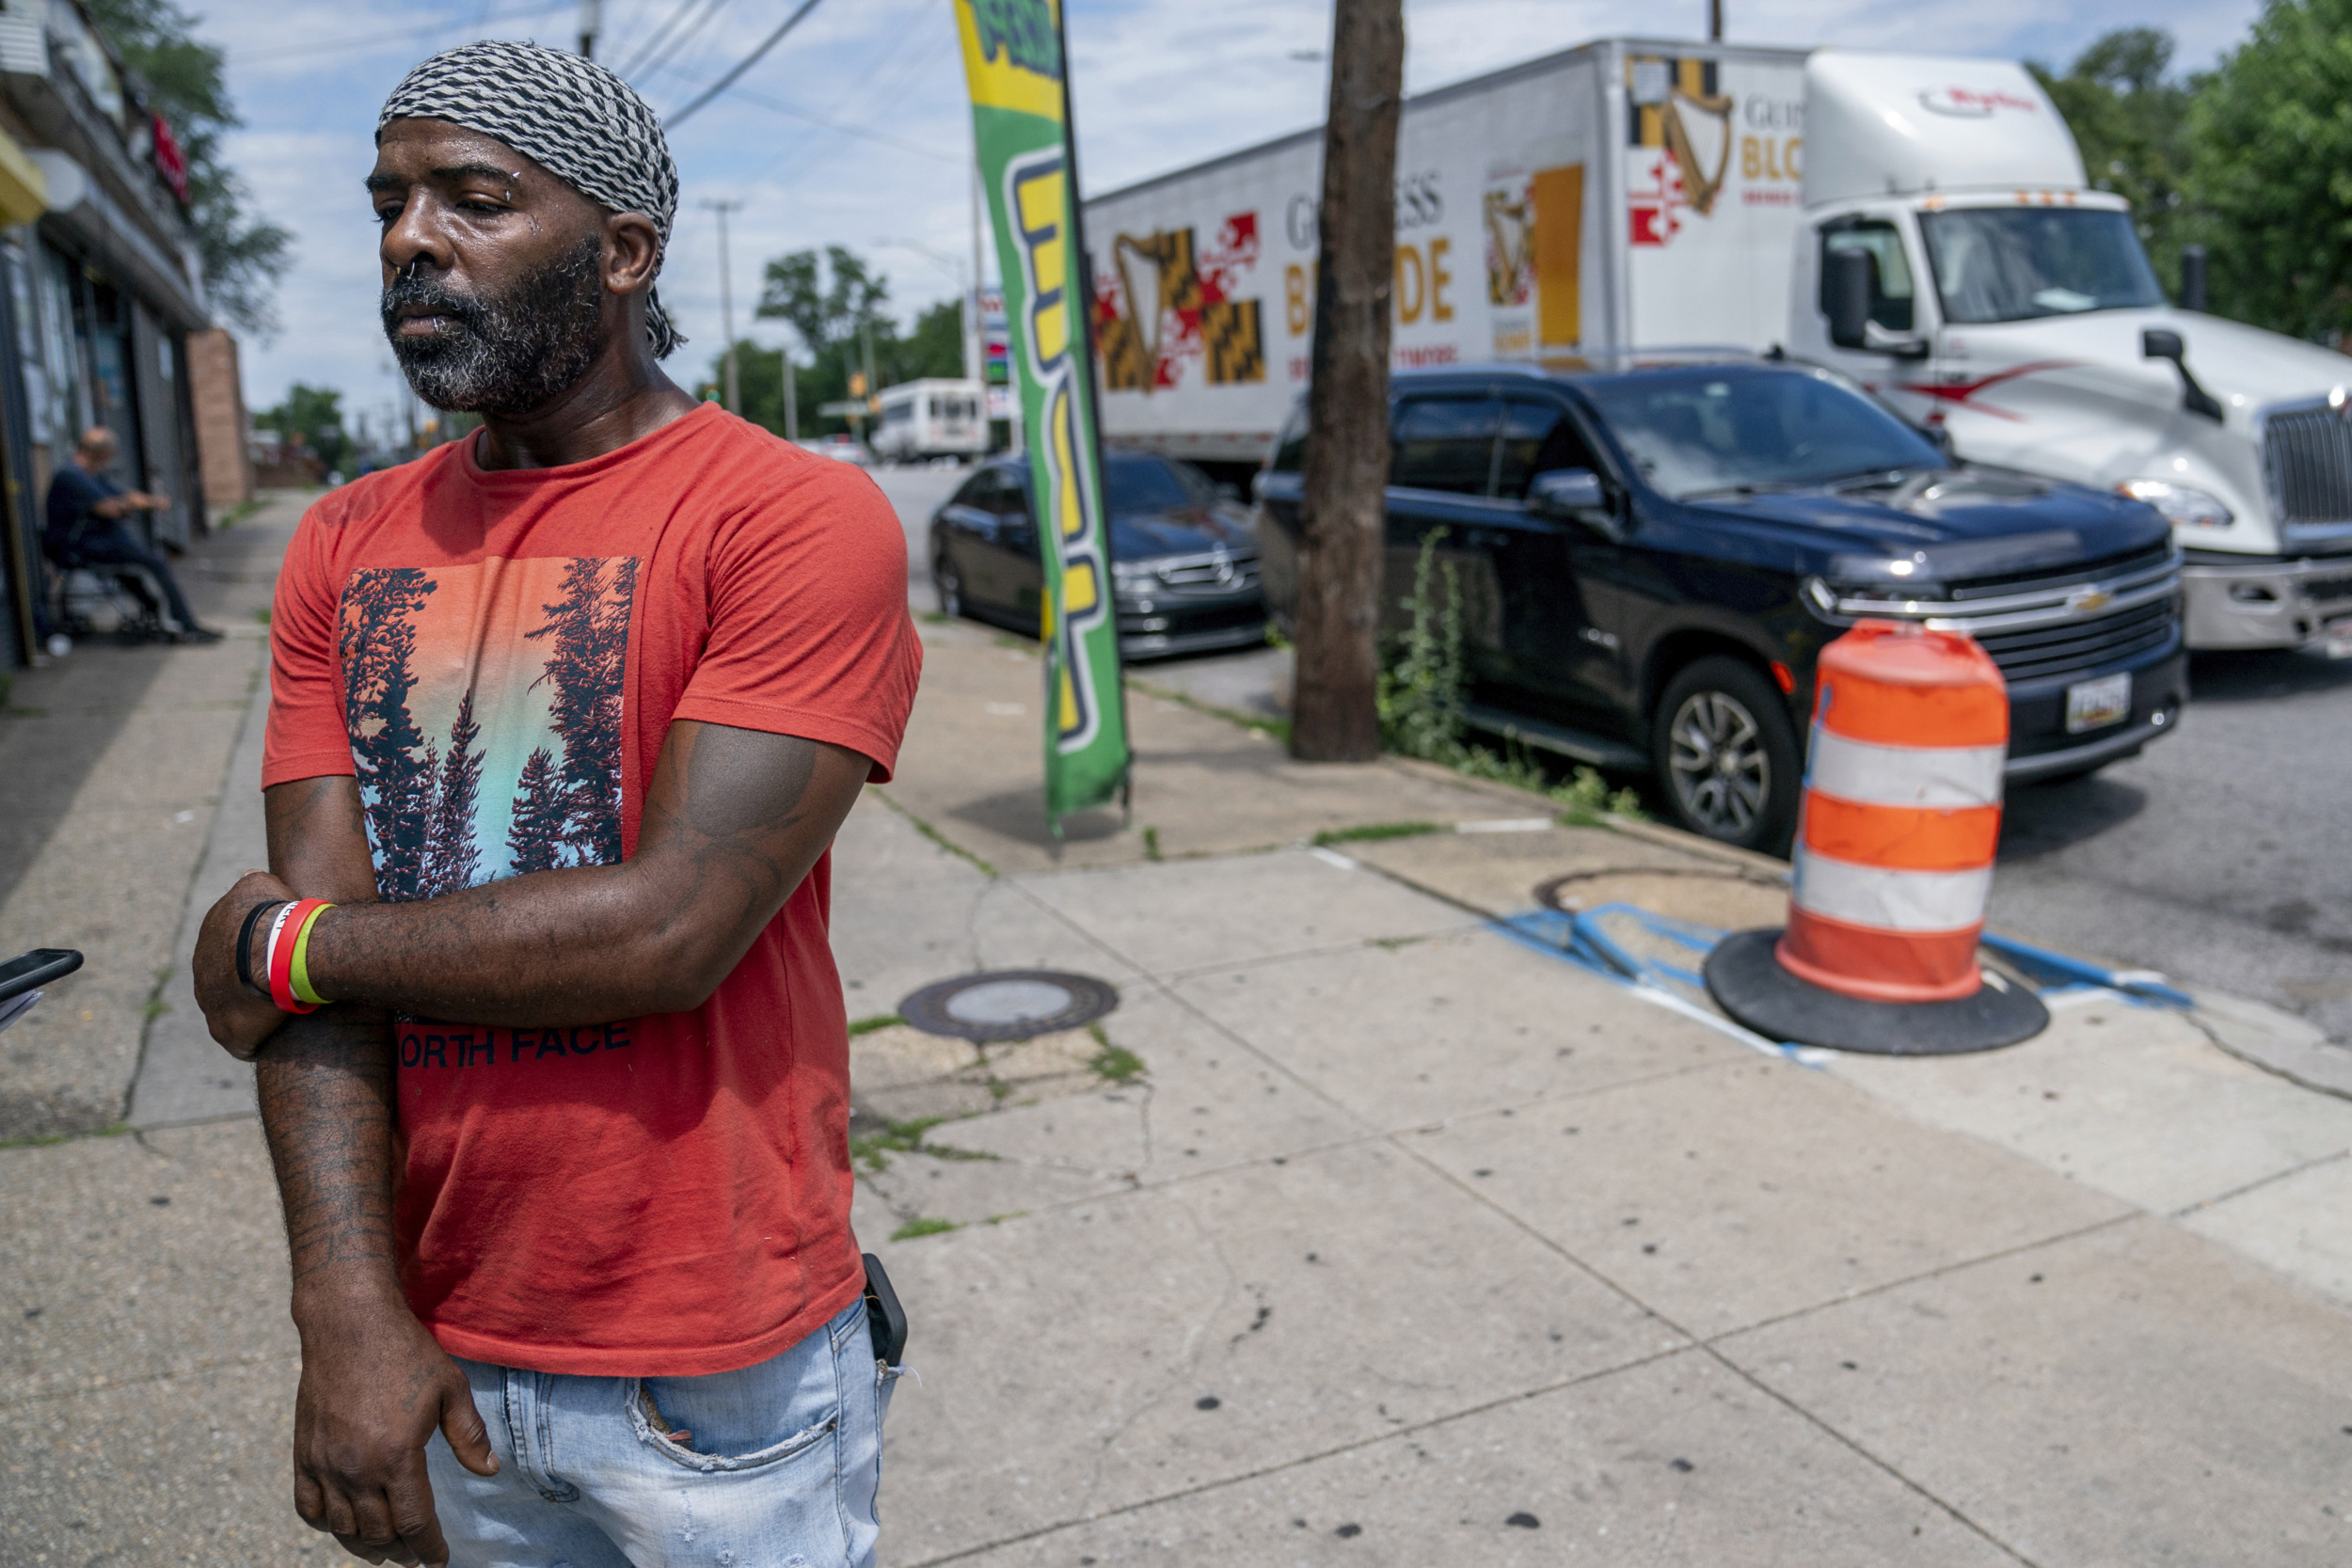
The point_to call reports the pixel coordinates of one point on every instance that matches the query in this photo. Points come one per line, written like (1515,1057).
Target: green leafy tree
(2132,124)
(243,256)
(313,414)
(2270,172)
(834,302)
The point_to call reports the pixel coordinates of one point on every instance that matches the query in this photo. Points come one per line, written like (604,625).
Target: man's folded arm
(733,820)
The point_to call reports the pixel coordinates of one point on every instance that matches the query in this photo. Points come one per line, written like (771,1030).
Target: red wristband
(281,957)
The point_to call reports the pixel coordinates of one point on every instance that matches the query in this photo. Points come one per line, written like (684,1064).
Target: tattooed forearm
(732,823)
(326,1085)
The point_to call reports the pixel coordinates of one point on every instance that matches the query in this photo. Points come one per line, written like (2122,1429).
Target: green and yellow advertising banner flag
(1013,57)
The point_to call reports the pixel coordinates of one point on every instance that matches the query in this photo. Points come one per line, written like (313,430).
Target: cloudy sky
(855,130)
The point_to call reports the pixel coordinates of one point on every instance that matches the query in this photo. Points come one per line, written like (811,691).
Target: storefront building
(100,290)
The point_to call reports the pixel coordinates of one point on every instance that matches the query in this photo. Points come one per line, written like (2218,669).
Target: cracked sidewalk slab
(1317,1302)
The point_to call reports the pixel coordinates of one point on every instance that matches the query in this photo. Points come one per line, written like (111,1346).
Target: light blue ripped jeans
(775,1466)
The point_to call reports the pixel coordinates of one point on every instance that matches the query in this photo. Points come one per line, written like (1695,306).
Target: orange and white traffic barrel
(1900,820)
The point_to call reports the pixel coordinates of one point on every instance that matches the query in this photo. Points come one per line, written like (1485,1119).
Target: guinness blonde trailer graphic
(1621,196)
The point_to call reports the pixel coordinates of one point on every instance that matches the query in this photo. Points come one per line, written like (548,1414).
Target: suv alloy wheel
(1727,756)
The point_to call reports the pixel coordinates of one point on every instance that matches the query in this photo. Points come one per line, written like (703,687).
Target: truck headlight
(2182,504)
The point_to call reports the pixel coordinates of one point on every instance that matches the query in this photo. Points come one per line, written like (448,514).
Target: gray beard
(509,353)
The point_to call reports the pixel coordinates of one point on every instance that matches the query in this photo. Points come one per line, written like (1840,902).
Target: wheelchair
(90,599)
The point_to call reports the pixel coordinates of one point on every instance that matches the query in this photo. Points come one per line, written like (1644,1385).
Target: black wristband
(244,940)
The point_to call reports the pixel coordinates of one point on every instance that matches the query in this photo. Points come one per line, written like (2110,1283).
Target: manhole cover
(1009,1004)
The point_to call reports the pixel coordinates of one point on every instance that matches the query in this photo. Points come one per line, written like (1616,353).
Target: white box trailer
(1633,196)
(1623,195)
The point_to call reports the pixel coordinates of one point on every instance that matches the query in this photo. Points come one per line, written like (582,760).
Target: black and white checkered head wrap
(572,117)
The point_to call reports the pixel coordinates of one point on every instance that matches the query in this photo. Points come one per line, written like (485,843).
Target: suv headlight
(2183,505)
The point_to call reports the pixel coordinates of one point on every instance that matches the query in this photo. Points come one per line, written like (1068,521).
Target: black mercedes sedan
(1183,556)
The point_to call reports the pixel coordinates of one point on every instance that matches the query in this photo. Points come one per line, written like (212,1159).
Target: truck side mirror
(2158,342)
(1847,286)
(1571,496)
(2193,277)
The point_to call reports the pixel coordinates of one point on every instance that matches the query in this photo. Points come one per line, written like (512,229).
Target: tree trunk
(1334,714)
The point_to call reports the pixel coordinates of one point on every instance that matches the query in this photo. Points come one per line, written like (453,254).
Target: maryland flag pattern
(1166,305)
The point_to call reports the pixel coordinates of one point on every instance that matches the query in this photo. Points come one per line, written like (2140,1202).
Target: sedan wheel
(1727,755)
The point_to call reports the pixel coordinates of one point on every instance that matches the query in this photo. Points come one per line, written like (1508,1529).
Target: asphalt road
(2221,856)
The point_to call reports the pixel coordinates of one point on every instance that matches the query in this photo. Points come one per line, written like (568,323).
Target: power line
(405,35)
(745,64)
(868,132)
(680,40)
(654,39)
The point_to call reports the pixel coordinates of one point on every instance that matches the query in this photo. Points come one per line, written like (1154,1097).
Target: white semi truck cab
(1953,258)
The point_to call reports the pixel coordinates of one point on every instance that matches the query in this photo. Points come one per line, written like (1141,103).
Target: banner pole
(1094,391)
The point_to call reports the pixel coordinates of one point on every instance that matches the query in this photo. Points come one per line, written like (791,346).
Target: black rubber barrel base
(1747,982)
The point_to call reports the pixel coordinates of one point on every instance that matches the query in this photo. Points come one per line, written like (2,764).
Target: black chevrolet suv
(1651,557)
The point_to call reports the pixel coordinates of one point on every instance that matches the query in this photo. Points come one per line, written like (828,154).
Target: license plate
(2095,705)
(2337,643)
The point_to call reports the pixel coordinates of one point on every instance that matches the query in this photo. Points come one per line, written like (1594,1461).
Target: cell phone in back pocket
(884,1317)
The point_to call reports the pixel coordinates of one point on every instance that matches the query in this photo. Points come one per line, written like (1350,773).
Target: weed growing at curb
(1150,843)
(879,1020)
(916,1227)
(260,617)
(934,835)
(1273,729)
(1424,710)
(1585,801)
(1372,830)
(1018,644)
(936,617)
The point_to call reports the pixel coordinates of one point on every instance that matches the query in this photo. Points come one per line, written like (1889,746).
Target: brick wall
(219,398)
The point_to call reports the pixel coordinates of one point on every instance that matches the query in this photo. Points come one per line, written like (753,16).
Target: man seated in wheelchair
(89,526)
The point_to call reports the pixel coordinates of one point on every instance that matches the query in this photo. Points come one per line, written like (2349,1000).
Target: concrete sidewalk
(1363,1231)
(1410,1243)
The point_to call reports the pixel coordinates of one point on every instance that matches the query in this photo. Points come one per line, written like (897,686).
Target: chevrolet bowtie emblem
(2089,601)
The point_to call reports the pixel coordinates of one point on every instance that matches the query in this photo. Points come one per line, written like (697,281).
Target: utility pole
(873,390)
(1336,717)
(1714,21)
(590,23)
(727,306)
(791,395)
(976,346)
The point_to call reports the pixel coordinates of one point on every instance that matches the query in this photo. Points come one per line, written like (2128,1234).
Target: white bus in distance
(918,420)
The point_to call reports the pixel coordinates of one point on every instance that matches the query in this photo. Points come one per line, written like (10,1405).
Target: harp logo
(1171,307)
(1036,199)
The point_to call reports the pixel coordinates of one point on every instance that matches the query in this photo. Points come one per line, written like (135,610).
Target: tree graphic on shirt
(378,643)
(537,827)
(452,862)
(588,629)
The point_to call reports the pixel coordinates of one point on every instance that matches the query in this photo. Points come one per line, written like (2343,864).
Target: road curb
(2275,1041)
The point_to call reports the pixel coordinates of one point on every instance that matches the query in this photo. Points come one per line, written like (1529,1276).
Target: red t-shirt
(497,656)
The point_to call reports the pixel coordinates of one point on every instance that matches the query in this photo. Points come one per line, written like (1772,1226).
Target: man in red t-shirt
(564,720)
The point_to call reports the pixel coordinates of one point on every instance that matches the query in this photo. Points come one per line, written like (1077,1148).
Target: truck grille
(2035,628)
(2046,651)
(2307,456)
